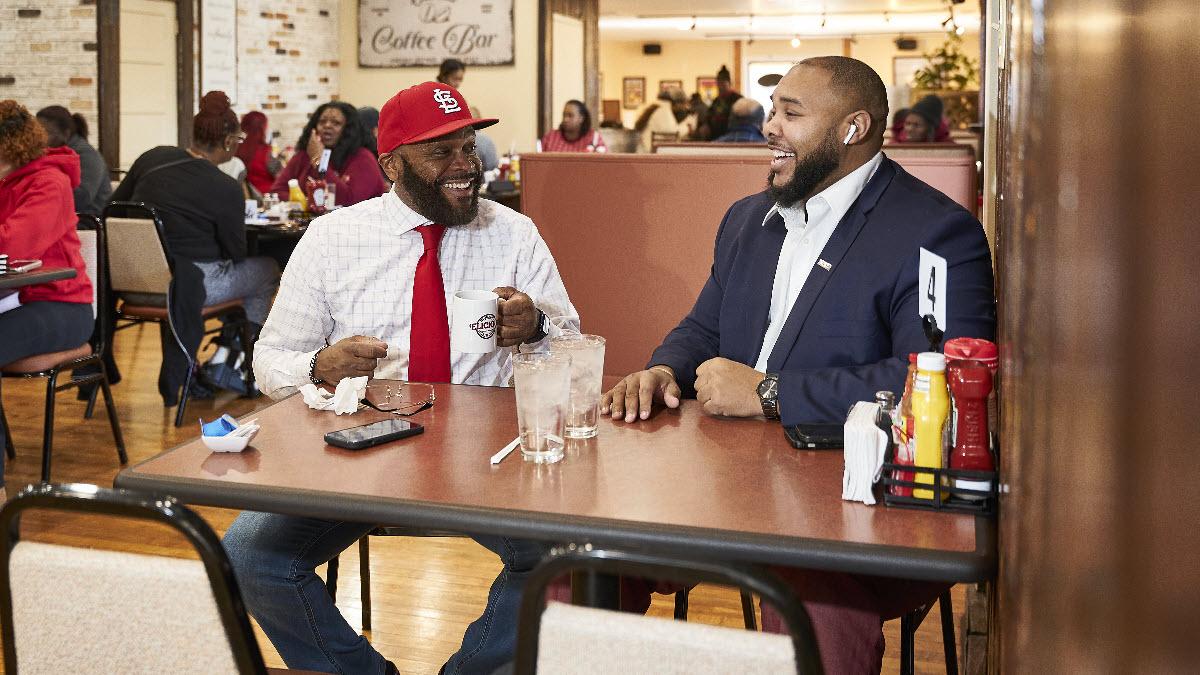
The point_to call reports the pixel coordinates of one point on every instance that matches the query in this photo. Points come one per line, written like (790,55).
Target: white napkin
(343,401)
(864,446)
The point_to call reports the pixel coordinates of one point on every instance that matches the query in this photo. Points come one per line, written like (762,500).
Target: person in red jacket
(255,152)
(37,222)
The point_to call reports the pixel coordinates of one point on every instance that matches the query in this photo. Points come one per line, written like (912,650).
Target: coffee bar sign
(425,32)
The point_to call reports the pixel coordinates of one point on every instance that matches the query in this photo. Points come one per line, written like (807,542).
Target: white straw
(504,452)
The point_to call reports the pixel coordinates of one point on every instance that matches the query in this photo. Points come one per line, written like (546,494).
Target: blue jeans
(274,557)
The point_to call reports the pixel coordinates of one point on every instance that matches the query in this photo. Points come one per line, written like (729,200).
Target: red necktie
(429,338)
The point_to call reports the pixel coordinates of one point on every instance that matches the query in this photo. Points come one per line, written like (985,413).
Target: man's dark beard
(810,171)
(431,203)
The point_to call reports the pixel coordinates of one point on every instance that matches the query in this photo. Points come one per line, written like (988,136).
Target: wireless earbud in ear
(850,133)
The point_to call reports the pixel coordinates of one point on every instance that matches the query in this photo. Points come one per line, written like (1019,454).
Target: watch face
(768,388)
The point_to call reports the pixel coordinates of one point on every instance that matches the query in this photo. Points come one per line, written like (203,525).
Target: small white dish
(229,443)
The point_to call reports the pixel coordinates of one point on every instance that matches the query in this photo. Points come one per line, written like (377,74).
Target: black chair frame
(236,315)
(574,557)
(95,359)
(364,576)
(124,504)
(910,622)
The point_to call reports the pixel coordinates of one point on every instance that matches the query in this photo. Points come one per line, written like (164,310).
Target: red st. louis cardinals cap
(423,112)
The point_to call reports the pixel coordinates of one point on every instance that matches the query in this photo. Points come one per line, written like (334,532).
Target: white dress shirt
(352,274)
(809,227)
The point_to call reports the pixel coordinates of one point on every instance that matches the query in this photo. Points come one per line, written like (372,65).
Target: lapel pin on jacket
(824,265)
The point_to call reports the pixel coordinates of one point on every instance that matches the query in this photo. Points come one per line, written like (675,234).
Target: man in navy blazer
(811,305)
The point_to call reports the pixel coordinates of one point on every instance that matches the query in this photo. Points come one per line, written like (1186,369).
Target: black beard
(810,171)
(431,203)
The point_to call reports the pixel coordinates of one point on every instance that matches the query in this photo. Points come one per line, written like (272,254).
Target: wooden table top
(39,276)
(682,481)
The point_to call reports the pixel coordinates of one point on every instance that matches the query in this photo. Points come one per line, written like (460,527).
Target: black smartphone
(815,436)
(367,435)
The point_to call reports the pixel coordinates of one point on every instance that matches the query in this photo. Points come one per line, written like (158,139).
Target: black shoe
(198,391)
(224,376)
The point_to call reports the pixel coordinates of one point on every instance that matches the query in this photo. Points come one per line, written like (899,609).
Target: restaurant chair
(557,637)
(71,608)
(90,354)
(910,622)
(139,267)
(364,575)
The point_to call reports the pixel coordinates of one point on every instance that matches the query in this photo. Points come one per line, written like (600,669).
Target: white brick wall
(50,58)
(287,61)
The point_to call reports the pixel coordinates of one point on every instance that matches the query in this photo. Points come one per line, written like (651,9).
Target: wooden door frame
(588,11)
(108,38)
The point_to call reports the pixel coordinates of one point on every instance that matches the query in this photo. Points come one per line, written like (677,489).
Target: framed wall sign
(707,86)
(667,85)
(394,33)
(633,92)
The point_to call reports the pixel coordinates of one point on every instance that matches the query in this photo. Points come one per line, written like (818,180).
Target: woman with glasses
(203,211)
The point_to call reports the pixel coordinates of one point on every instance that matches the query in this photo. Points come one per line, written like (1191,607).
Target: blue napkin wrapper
(221,426)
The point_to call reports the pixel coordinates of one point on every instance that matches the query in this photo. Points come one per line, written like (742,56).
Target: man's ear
(390,164)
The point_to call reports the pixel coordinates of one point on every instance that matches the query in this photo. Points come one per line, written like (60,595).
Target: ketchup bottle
(971,383)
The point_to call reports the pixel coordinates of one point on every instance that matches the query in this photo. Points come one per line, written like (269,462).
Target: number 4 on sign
(931,282)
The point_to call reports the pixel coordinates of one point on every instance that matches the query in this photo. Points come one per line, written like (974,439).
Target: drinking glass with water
(587,370)
(543,384)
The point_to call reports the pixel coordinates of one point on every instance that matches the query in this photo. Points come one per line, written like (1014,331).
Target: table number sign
(395,33)
(931,287)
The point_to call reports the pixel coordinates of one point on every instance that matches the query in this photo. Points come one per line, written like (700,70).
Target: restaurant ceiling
(714,7)
(767,19)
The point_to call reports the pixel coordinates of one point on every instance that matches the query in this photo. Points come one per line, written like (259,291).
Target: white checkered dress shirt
(352,274)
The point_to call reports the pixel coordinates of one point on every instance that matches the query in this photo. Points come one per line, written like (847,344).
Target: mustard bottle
(295,194)
(930,408)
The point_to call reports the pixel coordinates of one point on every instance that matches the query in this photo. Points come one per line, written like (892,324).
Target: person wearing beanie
(923,120)
(716,122)
(203,215)
(95,184)
(365,294)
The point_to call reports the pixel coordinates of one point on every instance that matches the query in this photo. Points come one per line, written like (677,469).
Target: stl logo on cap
(446,100)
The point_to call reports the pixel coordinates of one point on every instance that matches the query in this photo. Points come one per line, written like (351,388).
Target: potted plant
(953,76)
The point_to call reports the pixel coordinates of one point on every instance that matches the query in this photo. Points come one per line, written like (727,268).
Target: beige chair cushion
(41,362)
(136,260)
(584,640)
(77,609)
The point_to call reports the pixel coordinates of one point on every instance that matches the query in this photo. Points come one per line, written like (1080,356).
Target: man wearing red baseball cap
(365,293)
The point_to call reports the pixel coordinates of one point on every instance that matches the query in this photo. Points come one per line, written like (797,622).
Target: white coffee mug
(475,322)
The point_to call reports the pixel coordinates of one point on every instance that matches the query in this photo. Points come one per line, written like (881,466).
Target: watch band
(312,367)
(770,399)
(542,329)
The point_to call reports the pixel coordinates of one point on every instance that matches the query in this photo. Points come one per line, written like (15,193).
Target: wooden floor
(424,591)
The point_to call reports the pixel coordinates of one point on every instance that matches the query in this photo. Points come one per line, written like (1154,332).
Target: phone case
(815,436)
(335,439)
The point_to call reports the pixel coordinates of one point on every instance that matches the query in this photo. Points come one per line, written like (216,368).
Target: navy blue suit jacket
(852,327)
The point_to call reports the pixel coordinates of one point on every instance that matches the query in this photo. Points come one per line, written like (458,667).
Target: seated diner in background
(255,153)
(203,215)
(452,72)
(37,222)
(574,133)
(661,118)
(355,173)
(924,122)
(811,306)
(745,124)
(365,294)
(95,182)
